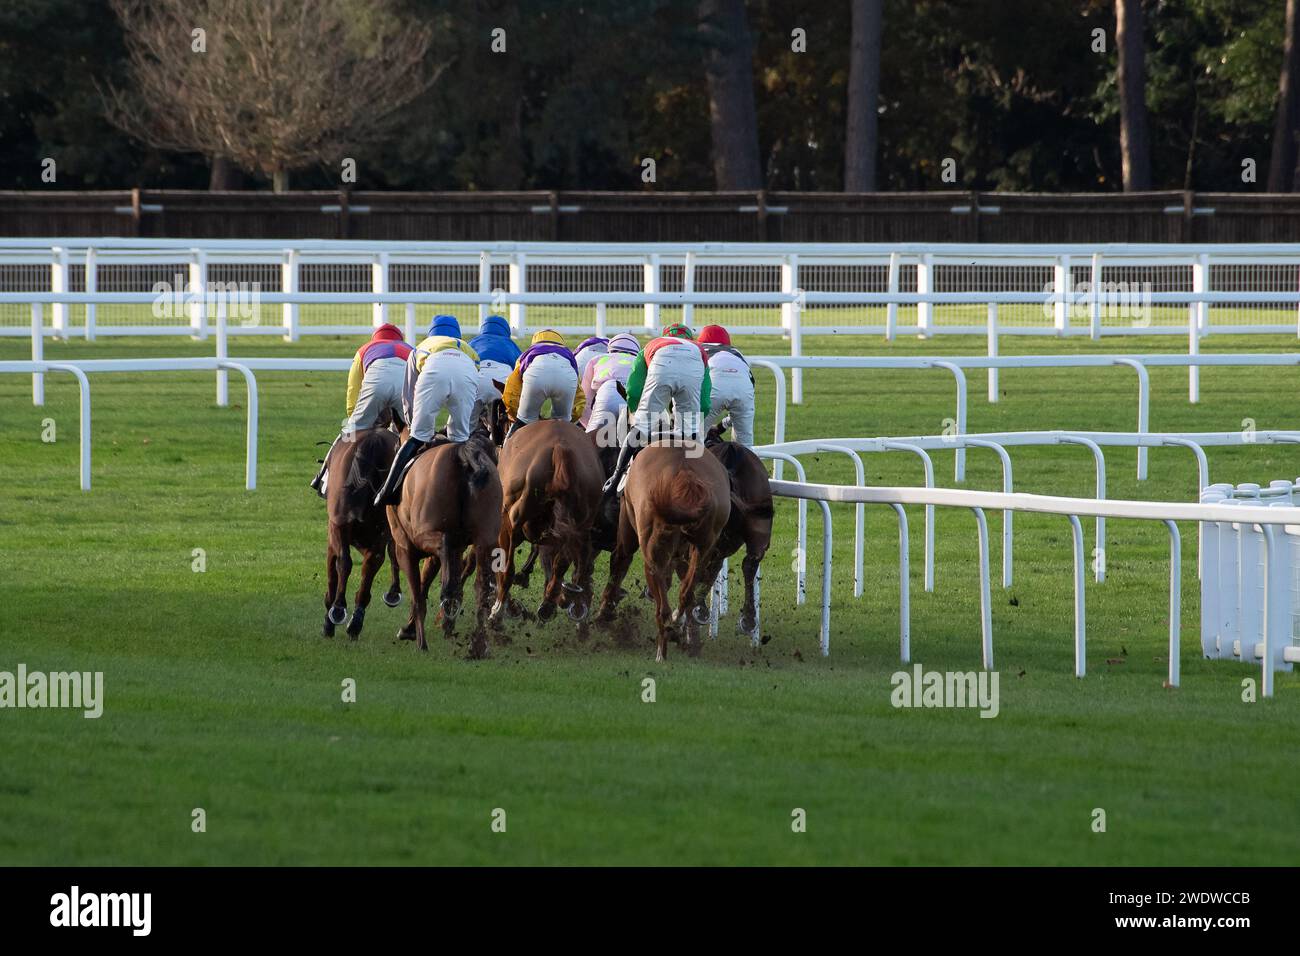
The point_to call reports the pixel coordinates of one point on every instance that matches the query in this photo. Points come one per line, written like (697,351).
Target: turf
(222,695)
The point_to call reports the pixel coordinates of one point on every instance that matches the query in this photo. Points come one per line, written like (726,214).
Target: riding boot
(320,475)
(404,456)
(625,454)
(517,424)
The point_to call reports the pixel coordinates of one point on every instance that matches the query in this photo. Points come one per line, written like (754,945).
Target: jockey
(374,386)
(589,350)
(733,384)
(546,370)
(441,372)
(603,376)
(672,368)
(497,354)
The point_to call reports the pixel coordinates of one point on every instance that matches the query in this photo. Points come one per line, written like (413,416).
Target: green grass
(221,694)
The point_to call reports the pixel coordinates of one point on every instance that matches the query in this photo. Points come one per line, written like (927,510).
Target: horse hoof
(545,611)
(393,598)
(578,612)
(498,614)
(572,588)
(355,625)
(406,634)
(450,607)
(327,630)
(338,614)
(700,613)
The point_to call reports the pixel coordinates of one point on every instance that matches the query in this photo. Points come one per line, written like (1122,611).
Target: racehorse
(550,481)
(750,523)
(450,500)
(356,469)
(675,505)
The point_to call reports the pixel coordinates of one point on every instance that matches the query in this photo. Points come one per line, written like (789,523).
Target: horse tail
(477,457)
(684,499)
(736,462)
(560,490)
(370,462)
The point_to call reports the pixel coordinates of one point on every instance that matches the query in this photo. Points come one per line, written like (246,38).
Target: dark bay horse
(750,523)
(356,469)
(550,481)
(675,505)
(451,500)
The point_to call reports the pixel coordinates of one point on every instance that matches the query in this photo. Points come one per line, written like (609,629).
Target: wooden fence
(659,216)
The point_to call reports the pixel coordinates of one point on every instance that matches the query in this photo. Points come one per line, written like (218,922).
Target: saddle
(439,438)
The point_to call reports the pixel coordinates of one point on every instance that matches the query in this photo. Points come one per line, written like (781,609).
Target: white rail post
(1144,410)
(688,286)
(986,596)
(1094,304)
(600,319)
(1197,320)
(38,353)
(290,274)
(410,322)
(1061,285)
(904,589)
(518,284)
(59,283)
(891,310)
(484,284)
(1248,638)
(198,281)
(1175,598)
(379,285)
(1080,627)
(92,286)
(223,395)
(993,352)
(924,285)
(792,320)
(650,283)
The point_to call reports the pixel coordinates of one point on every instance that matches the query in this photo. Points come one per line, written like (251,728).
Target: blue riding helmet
(493,342)
(445,325)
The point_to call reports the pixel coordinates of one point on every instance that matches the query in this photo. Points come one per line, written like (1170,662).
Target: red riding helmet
(714,335)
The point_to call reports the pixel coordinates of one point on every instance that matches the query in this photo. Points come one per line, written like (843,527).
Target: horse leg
(414,627)
(451,590)
(331,588)
(371,561)
(580,595)
(554,566)
(507,540)
(394,595)
(754,550)
(620,559)
(339,611)
(658,574)
(479,642)
(686,600)
(521,576)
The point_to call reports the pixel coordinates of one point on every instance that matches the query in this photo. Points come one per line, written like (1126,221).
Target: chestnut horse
(356,469)
(550,482)
(675,505)
(750,523)
(450,500)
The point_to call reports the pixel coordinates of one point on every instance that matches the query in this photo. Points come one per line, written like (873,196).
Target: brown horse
(451,500)
(675,505)
(550,481)
(356,468)
(750,523)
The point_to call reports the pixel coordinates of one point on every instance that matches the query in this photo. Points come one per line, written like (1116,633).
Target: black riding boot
(625,454)
(404,455)
(517,424)
(320,475)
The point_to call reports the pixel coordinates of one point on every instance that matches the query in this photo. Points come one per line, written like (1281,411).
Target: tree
(270,85)
(860,144)
(1134,142)
(1286,124)
(729,72)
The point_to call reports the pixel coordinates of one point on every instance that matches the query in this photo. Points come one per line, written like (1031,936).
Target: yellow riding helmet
(548,335)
